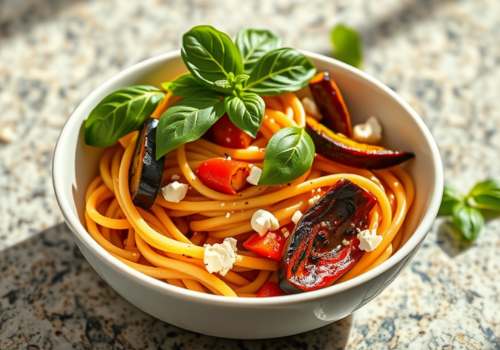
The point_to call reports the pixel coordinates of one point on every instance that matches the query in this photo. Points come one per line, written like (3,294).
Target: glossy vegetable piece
(269,246)
(269,289)
(316,256)
(346,151)
(146,171)
(223,175)
(225,133)
(331,104)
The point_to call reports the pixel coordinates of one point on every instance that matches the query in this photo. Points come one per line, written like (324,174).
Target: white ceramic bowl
(75,165)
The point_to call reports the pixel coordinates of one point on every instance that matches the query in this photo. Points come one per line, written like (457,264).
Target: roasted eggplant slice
(331,104)
(341,149)
(323,245)
(146,171)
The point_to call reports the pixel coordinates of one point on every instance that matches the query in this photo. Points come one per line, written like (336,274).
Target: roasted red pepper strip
(269,289)
(225,133)
(316,256)
(223,175)
(331,104)
(269,246)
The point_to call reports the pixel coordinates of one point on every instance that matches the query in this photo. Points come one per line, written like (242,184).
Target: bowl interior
(76,164)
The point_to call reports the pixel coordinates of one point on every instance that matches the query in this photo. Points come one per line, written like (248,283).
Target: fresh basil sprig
(119,113)
(289,154)
(466,212)
(237,73)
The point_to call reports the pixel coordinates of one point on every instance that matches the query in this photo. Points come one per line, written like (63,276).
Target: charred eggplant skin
(315,256)
(146,171)
(331,145)
(331,104)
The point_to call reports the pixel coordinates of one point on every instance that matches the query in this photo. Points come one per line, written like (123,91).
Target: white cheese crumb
(311,108)
(368,240)
(368,132)
(254,176)
(175,177)
(252,148)
(345,242)
(174,192)
(285,232)
(314,199)
(263,221)
(220,257)
(296,216)
(7,134)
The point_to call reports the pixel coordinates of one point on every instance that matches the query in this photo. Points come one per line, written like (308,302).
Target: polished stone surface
(442,56)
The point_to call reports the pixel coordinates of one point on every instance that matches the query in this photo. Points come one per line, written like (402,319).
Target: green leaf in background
(347,45)
(186,122)
(278,71)
(211,56)
(246,111)
(254,43)
(469,221)
(186,85)
(119,113)
(450,198)
(289,153)
(485,195)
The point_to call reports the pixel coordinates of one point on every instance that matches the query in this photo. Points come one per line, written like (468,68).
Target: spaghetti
(167,241)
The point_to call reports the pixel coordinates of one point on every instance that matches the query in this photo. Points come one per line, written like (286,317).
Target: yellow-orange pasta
(169,240)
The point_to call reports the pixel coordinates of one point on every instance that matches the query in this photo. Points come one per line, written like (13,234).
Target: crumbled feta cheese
(254,176)
(252,148)
(368,240)
(368,132)
(7,134)
(296,216)
(314,199)
(175,177)
(345,242)
(174,192)
(263,221)
(220,257)
(285,232)
(311,108)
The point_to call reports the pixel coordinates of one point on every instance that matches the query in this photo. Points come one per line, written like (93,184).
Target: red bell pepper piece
(225,133)
(269,289)
(269,246)
(223,175)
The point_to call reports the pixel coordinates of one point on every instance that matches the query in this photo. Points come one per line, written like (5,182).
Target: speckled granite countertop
(442,56)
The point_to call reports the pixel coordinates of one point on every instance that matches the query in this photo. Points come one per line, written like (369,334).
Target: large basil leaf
(186,122)
(119,113)
(289,154)
(254,43)
(278,71)
(450,198)
(468,220)
(246,111)
(211,56)
(486,195)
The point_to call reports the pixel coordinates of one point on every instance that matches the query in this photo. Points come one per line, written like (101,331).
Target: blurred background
(441,56)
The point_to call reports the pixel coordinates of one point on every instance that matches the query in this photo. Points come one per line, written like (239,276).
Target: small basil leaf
(186,122)
(119,113)
(289,154)
(469,221)
(254,43)
(486,195)
(210,55)
(280,70)
(186,85)
(347,45)
(450,198)
(245,111)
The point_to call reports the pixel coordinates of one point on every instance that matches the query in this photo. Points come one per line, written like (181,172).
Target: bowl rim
(105,257)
